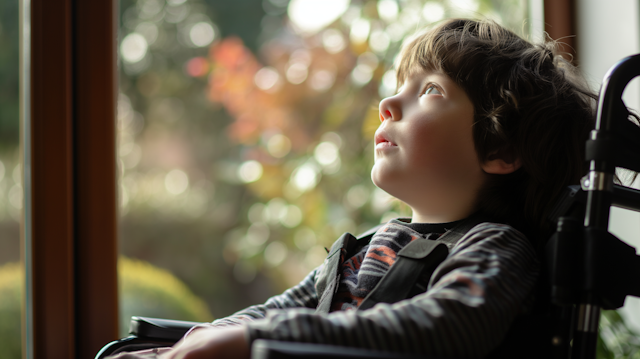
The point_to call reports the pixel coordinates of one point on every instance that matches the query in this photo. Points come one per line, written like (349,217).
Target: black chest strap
(396,285)
(418,259)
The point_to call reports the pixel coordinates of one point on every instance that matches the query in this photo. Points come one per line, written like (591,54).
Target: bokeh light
(388,10)
(274,210)
(360,30)
(379,41)
(176,13)
(297,72)
(15,196)
(333,41)
(465,5)
(278,145)
(363,72)
(291,216)
(133,47)
(326,153)
(257,234)
(176,181)
(309,16)
(275,253)
(202,34)
(433,11)
(357,196)
(149,31)
(322,80)
(266,78)
(250,171)
(305,177)
(388,84)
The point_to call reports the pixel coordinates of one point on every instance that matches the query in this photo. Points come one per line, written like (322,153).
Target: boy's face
(424,152)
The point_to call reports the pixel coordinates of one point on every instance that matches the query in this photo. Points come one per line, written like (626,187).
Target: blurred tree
(11,283)
(149,291)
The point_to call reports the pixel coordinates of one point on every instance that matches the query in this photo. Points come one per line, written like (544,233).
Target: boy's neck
(440,217)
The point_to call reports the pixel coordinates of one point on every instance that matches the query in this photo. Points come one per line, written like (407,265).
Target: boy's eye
(432,90)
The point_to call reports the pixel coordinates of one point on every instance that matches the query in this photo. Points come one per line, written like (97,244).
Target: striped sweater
(472,298)
(362,272)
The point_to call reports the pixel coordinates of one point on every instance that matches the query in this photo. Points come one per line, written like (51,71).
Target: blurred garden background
(244,143)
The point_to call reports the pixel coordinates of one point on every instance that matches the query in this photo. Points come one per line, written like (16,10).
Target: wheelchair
(586,266)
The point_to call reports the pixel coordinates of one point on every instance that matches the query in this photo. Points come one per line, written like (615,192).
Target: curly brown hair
(530,104)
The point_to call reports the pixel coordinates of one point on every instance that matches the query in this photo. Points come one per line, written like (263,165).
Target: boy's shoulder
(474,231)
(494,236)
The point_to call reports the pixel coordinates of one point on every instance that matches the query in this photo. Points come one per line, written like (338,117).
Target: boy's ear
(498,164)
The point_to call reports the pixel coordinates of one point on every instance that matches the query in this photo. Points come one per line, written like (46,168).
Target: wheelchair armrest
(272,349)
(159,329)
(147,333)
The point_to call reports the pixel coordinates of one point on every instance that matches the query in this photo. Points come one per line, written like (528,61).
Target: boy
(484,133)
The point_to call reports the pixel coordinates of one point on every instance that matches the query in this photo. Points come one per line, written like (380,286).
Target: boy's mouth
(382,140)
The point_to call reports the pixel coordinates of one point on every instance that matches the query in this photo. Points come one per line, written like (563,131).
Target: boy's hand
(208,343)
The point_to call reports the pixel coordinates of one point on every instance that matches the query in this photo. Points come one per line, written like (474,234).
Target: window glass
(11,272)
(244,143)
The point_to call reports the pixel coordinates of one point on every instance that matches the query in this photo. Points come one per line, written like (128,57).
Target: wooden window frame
(68,135)
(560,24)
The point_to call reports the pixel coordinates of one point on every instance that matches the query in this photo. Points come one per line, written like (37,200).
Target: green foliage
(9,74)
(149,291)
(11,287)
(616,339)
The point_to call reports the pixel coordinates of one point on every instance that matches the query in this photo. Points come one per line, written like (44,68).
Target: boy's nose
(386,116)
(387,110)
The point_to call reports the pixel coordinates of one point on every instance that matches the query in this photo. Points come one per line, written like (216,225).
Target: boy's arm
(301,295)
(475,295)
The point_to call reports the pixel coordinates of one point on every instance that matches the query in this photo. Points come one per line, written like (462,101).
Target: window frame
(68,52)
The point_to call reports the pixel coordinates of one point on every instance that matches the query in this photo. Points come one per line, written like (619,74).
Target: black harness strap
(419,258)
(398,282)
(329,278)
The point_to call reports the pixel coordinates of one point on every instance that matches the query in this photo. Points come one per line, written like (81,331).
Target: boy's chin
(383,179)
(384,183)
(375,178)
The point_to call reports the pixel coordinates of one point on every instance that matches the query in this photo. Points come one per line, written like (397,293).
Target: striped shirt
(363,271)
(473,297)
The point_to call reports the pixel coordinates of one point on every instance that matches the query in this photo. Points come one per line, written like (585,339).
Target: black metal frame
(589,267)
